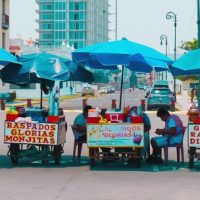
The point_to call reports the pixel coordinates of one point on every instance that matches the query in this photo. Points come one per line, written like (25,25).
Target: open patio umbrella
(45,68)
(77,73)
(40,68)
(9,65)
(188,64)
(108,55)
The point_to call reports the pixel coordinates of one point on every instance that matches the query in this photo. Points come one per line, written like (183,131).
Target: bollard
(2,104)
(84,102)
(143,104)
(113,105)
(28,103)
(172,105)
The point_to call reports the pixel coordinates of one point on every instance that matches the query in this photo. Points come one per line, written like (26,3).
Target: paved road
(107,181)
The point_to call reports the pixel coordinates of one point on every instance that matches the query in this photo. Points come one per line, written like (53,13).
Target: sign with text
(194,135)
(30,133)
(115,135)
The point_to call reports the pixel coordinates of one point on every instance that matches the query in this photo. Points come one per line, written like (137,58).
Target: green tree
(188,46)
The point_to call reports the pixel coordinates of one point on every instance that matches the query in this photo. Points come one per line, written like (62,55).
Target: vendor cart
(31,141)
(193,143)
(126,139)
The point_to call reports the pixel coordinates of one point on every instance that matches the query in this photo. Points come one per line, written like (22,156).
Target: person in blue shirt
(147,128)
(80,124)
(172,133)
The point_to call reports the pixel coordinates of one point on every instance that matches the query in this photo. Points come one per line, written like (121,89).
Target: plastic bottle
(139,109)
(129,118)
(51,102)
(56,102)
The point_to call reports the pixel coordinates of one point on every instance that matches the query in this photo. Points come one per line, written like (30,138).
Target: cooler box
(55,119)
(37,114)
(137,119)
(94,120)
(11,117)
(115,116)
(196,120)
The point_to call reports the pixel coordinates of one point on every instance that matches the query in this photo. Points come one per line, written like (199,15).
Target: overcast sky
(142,21)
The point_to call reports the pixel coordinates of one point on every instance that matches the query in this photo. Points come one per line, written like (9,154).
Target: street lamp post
(164,37)
(172,15)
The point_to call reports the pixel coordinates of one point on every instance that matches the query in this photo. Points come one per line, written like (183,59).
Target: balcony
(5,21)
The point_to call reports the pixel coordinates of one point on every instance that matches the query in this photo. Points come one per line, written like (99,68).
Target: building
(4,34)
(79,23)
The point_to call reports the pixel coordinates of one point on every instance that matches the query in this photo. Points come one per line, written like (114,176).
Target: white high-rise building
(79,23)
(4,33)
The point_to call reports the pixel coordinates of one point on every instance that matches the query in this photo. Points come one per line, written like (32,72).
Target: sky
(141,21)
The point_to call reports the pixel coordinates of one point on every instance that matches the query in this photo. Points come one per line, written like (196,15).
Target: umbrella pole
(198,93)
(121,88)
(40,95)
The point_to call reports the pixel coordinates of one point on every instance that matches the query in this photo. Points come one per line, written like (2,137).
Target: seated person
(172,133)
(79,126)
(147,128)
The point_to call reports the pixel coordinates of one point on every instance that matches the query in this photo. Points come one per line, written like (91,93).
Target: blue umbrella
(9,66)
(45,68)
(188,64)
(77,73)
(108,55)
(121,52)
(42,66)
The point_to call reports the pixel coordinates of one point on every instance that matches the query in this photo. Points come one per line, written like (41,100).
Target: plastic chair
(147,153)
(179,148)
(78,144)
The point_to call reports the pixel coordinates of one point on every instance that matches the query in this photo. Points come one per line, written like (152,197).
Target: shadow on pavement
(67,161)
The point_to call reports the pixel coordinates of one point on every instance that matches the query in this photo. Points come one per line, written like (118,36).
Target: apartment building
(79,23)
(4,34)
(76,22)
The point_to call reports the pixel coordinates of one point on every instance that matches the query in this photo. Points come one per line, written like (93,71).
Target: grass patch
(62,98)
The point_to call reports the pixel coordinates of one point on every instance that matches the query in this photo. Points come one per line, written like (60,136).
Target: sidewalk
(184,102)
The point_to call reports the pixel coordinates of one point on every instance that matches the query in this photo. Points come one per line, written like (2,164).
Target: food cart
(193,135)
(36,137)
(193,143)
(126,139)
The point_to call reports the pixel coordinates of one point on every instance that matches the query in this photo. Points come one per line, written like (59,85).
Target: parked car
(159,97)
(103,90)
(141,87)
(110,89)
(161,84)
(88,91)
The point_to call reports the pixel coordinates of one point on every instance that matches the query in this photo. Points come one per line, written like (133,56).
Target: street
(106,181)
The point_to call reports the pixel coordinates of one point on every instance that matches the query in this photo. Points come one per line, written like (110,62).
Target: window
(3,40)
(4,7)
(61,85)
